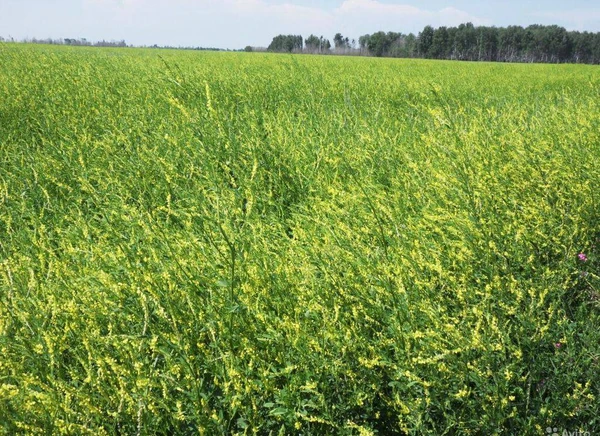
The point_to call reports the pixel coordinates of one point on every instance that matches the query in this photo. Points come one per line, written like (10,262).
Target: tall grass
(219,243)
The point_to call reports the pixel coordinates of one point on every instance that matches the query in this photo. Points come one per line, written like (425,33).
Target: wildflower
(582,257)
(558,345)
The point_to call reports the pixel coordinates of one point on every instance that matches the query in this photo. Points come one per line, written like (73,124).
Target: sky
(234,24)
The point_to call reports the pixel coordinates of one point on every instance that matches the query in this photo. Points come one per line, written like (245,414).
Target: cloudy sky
(237,23)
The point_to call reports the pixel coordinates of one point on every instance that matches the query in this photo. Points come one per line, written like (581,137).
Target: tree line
(69,41)
(535,43)
(83,42)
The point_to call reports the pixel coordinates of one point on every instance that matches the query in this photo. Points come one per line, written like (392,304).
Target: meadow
(249,243)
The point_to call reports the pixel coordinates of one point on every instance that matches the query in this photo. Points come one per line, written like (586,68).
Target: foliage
(534,43)
(314,44)
(232,243)
(286,43)
(341,42)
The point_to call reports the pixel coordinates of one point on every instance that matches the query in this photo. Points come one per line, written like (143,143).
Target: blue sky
(237,23)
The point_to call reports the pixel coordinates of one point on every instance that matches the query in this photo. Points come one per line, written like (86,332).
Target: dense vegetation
(83,42)
(231,243)
(287,43)
(535,43)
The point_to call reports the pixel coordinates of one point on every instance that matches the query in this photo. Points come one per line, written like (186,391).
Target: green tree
(440,43)
(378,44)
(363,42)
(487,42)
(511,43)
(314,44)
(426,41)
(465,41)
(341,42)
(286,43)
(583,46)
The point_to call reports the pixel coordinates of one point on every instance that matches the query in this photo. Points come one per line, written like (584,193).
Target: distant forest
(535,43)
(83,42)
(69,41)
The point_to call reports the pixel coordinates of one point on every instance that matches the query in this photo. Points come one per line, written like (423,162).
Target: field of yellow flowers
(244,243)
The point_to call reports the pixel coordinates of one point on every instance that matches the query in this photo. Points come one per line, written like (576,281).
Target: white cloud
(236,23)
(280,18)
(372,15)
(224,23)
(218,23)
(377,8)
(572,19)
